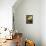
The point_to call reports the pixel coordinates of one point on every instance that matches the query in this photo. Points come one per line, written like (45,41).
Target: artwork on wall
(29,19)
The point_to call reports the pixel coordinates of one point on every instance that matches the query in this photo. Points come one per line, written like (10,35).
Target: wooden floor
(9,43)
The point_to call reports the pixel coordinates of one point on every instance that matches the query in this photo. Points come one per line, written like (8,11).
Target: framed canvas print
(29,19)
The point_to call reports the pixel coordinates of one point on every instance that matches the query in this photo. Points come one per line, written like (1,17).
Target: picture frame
(29,19)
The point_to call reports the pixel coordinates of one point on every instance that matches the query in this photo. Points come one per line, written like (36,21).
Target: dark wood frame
(29,21)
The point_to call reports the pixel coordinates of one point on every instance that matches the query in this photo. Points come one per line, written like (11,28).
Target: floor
(9,43)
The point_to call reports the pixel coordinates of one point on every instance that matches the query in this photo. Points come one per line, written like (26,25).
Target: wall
(6,13)
(30,31)
(6,18)
(43,22)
